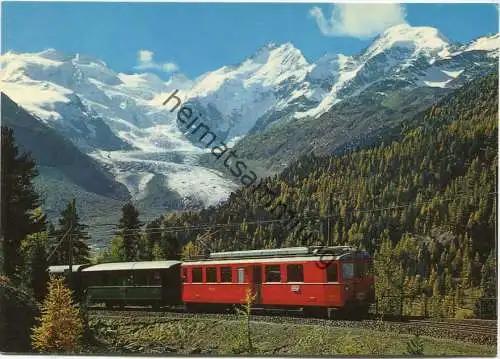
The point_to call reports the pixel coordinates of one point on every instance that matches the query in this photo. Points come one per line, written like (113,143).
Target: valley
(272,108)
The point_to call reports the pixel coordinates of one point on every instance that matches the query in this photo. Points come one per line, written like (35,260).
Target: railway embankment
(163,333)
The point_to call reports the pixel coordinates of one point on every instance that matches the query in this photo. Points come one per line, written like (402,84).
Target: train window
(139,278)
(273,273)
(184,275)
(360,269)
(156,278)
(196,275)
(347,270)
(211,275)
(147,278)
(117,279)
(96,278)
(295,273)
(331,273)
(226,275)
(241,275)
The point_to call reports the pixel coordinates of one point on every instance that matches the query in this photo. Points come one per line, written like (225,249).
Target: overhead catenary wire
(339,193)
(176,229)
(211,225)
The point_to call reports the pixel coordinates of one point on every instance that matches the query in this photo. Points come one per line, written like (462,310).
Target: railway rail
(474,331)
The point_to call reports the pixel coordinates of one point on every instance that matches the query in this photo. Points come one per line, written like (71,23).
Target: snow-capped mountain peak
(284,50)
(419,40)
(270,65)
(236,97)
(485,43)
(404,56)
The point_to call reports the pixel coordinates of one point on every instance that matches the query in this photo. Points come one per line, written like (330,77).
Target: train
(318,280)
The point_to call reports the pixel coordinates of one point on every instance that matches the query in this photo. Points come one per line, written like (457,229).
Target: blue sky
(195,38)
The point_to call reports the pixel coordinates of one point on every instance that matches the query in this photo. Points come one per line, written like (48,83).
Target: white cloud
(145,56)
(145,61)
(359,20)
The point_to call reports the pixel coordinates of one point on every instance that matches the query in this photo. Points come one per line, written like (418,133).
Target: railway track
(474,331)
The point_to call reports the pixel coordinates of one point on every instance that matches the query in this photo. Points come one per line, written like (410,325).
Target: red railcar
(317,279)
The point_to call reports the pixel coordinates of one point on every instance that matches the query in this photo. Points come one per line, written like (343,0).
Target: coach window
(331,273)
(273,273)
(184,275)
(295,273)
(347,270)
(196,275)
(98,279)
(147,279)
(156,278)
(211,275)
(226,275)
(241,275)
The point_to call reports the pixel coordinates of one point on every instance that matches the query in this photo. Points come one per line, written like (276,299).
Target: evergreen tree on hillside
(389,274)
(36,273)
(114,252)
(486,305)
(69,225)
(189,251)
(170,246)
(153,237)
(488,277)
(129,228)
(18,200)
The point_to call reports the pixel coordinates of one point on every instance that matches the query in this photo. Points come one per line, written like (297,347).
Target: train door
(348,278)
(257,282)
(357,280)
(171,282)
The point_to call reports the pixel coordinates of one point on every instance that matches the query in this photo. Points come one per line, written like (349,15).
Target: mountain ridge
(263,104)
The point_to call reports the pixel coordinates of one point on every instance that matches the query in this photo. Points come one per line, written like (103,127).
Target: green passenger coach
(152,283)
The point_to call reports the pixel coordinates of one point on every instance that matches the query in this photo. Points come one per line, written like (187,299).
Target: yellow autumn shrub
(60,325)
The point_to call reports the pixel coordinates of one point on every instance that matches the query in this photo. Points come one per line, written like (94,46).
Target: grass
(222,337)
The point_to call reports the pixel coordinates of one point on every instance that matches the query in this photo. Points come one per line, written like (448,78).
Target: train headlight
(346,288)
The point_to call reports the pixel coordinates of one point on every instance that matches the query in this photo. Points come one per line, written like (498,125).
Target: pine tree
(144,251)
(170,246)
(153,232)
(485,306)
(36,274)
(115,252)
(69,225)
(61,324)
(189,251)
(389,275)
(129,229)
(18,200)
(157,253)
(488,276)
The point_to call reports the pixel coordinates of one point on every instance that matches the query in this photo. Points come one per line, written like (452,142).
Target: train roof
(64,267)
(131,266)
(291,254)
